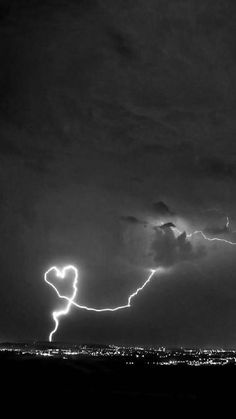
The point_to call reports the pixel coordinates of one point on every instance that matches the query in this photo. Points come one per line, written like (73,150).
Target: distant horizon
(118,157)
(35,342)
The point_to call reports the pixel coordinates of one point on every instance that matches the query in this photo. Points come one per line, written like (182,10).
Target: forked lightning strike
(61,273)
(200,232)
(210,239)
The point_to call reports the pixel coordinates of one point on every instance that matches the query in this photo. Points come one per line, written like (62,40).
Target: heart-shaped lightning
(61,274)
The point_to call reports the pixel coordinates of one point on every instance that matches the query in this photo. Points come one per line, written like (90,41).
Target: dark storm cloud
(161,208)
(218,168)
(121,44)
(105,108)
(169,250)
(218,230)
(165,226)
(130,219)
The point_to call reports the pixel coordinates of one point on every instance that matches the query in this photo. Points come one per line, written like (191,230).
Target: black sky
(116,116)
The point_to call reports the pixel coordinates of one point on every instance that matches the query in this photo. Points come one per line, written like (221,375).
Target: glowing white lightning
(211,239)
(61,273)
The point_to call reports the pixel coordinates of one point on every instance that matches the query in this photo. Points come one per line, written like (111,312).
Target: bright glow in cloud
(200,232)
(61,274)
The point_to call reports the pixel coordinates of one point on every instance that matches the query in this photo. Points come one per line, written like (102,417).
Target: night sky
(117,116)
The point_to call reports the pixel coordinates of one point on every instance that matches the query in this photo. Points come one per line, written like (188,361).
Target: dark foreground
(97,385)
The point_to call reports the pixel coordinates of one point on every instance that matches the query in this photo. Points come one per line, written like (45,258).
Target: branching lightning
(61,273)
(200,232)
(211,239)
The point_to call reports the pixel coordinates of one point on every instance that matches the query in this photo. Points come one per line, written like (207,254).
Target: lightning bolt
(61,273)
(227,222)
(211,239)
(200,232)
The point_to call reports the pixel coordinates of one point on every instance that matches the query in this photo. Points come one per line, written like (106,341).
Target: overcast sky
(117,116)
